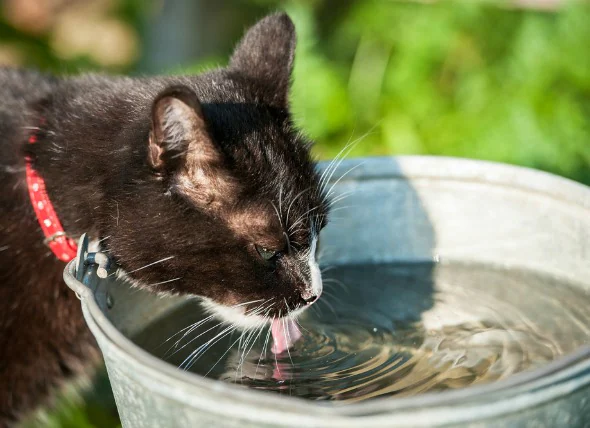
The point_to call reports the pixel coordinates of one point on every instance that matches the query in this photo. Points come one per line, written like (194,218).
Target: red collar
(63,247)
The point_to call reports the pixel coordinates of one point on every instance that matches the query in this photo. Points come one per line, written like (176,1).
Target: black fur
(190,167)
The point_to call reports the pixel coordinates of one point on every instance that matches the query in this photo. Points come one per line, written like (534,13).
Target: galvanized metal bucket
(401,209)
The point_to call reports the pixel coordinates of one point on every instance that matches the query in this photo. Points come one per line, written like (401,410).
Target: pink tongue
(284,334)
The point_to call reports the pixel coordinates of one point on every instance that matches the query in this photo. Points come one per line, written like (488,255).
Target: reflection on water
(396,330)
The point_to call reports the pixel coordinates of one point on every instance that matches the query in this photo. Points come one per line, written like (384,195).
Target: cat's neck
(92,138)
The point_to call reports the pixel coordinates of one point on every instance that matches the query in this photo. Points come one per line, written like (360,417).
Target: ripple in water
(384,330)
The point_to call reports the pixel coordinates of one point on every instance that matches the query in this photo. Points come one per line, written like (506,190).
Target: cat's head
(232,205)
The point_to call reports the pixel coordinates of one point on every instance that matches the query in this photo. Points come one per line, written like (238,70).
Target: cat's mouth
(284,329)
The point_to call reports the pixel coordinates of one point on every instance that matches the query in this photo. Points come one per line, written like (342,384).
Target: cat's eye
(267,254)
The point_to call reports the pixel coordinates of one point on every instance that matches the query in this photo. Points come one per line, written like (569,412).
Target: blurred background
(505,80)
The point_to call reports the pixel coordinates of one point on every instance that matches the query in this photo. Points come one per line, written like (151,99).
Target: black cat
(194,185)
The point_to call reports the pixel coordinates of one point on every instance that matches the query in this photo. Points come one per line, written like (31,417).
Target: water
(396,330)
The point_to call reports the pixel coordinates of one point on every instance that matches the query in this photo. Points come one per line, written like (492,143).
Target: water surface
(393,330)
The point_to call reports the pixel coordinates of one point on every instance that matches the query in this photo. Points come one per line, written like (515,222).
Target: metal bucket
(401,209)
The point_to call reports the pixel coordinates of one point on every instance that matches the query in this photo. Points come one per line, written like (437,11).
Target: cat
(196,185)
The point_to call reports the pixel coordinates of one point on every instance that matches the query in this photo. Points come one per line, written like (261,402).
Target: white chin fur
(233,314)
(123,276)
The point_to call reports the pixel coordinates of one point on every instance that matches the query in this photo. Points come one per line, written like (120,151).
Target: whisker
(253,312)
(344,152)
(278,214)
(337,282)
(164,282)
(300,326)
(246,303)
(334,297)
(197,324)
(293,232)
(196,354)
(341,177)
(340,198)
(151,264)
(188,330)
(288,242)
(328,305)
(189,357)
(196,337)
(220,358)
(263,350)
(302,217)
(210,345)
(261,307)
(332,164)
(260,328)
(251,333)
(188,327)
(293,201)
(281,199)
(348,207)
(240,344)
(316,308)
(264,306)
(240,340)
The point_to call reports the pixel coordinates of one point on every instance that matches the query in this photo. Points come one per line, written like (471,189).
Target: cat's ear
(177,123)
(266,53)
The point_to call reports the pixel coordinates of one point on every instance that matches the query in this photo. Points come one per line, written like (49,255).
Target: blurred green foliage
(470,79)
(33,43)
(453,78)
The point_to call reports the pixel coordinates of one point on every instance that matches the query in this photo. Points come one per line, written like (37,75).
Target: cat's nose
(310,300)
